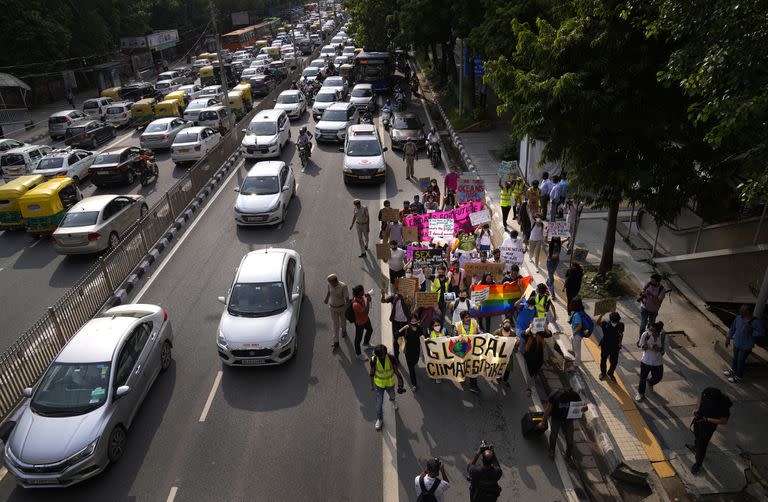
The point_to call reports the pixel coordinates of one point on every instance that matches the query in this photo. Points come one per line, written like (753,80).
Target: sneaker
(728,372)
(734,379)
(639,397)
(695,468)
(612,377)
(362,357)
(601,376)
(366,345)
(378,425)
(361,255)
(413,388)
(334,346)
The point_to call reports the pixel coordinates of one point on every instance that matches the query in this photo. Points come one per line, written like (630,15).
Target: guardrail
(29,356)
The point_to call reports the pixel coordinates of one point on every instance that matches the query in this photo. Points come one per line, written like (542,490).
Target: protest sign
(423,184)
(390,214)
(470,190)
(575,409)
(383,252)
(441,229)
(478,268)
(558,229)
(480,217)
(460,217)
(426,299)
(428,257)
(410,249)
(538,324)
(605,306)
(467,243)
(505,168)
(479,295)
(580,256)
(511,256)
(406,286)
(461,357)
(410,234)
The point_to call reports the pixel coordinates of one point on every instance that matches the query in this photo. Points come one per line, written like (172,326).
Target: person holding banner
(384,370)
(417,207)
(484,241)
(506,330)
(401,311)
(397,262)
(412,333)
(383,223)
(485,322)
(468,326)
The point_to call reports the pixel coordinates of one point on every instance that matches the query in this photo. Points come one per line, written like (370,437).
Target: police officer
(361,220)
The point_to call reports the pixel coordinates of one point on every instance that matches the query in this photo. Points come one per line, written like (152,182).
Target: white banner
(558,229)
(480,217)
(441,229)
(480,295)
(511,256)
(460,357)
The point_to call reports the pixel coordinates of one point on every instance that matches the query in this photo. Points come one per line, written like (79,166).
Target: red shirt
(361,308)
(452,181)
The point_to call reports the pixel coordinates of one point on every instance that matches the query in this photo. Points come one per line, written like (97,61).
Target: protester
(384,370)
(543,302)
(485,322)
(410,153)
(433,189)
(745,330)
(572,284)
(413,333)
(440,284)
(507,331)
(534,354)
(556,411)
(505,200)
(431,203)
(610,344)
(449,201)
(525,222)
(533,195)
(395,232)
(382,232)
(712,409)
(451,181)
(429,482)
(417,207)
(518,186)
(397,262)
(535,243)
(546,189)
(361,305)
(484,241)
(406,210)
(461,304)
(526,311)
(484,478)
(468,326)
(336,298)
(650,303)
(653,343)
(418,274)
(579,320)
(398,316)
(361,219)
(553,260)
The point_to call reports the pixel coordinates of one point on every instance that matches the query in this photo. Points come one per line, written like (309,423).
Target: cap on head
(332,277)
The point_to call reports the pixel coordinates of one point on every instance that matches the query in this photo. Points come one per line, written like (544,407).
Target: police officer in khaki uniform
(336,298)
(361,220)
(410,150)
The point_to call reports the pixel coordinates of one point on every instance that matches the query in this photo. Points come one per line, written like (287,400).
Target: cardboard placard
(478,268)
(406,286)
(480,295)
(428,257)
(423,184)
(605,306)
(383,252)
(575,410)
(558,229)
(580,256)
(441,229)
(538,324)
(459,357)
(410,234)
(505,168)
(390,214)
(424,300)
(480,217)
(470,190)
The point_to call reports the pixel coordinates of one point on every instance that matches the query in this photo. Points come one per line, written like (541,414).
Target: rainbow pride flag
(501,297)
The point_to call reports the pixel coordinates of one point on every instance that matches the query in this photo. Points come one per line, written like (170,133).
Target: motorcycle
(433,150)
(386,115)
(147,170)
(367,118)
(304,155)
(400,102)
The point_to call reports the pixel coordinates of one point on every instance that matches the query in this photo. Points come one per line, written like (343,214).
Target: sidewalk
(651,436)
(39,133)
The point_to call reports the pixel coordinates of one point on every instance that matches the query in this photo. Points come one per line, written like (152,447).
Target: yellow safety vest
(436,334)
(436,287)
(506,196)
(473,328)
(517,187)
(542,305)
(384,375)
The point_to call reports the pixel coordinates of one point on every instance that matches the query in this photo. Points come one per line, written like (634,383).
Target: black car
(88,133)
(115,165)
(261,85)
(136,91)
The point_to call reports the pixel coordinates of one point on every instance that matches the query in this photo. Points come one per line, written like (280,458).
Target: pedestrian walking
(505,200)
(361,306)
(712,409)
(429,484)
(533,196)
(518,187)
(572,284)
(553,260)
(536,242)
(745,330)
(506,330)
(336,297)
(484,241)
(546,189)
(534,353)
(525,221)
(384,370)
(484,478)
(440,284)
(70,96)
(610,344)
(581,326)
(554,196)
(413,333)
(397,261)
(468,326)
(383,231)
(653,343)
(556,411)
(543,302)
(361,220)
(410,153)
(650,302)
(398,316)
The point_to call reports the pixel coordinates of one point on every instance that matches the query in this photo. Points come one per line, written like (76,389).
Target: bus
(239,39)
(375,68)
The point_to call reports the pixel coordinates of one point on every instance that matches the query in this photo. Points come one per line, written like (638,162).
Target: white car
(348,51)
(362,97)
(293,102)
(310,74)
(324,98)
(251,72)
(193,143)
(259,325)
(192,90)
(168,86)
(335,121)
(213,92)
(96,108)
(338,84)
(72,163)
(193,109)
(119,114)
(364,155)
(265,194)
(9,144)
(266,135)
(199,63)
(328,50)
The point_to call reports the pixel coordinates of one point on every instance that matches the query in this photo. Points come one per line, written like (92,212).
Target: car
(193,109)
(251,72)
(316,39)
(168,75)
(348,51)
(199,63)
(70,162)
(406,126)
(293,102)
(21,160)
(213,92)
(88,133)
(98,223)
(265,194)
(160,133)
(168,86)
(96,108)
(337,40)
(119,113)
(363,98)
(217,117)
(320,64)
(266,135)
(335,120)
(340,60)
(324,98)
(192,90)
(59,121)
(115,165)
(193,143)
(9,144)
(262,84)
(259,324)
(74,423)
(136,91)
(328,51)
(337,84)
(310,73)
(363,155)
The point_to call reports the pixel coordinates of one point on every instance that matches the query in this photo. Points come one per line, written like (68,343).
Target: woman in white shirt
(536,240)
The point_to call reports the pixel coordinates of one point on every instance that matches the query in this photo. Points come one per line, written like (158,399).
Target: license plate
(183,150)
(252,362)
(255,218)
(365,177)
(42,482)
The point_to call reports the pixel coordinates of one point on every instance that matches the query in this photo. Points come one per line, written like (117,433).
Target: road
(304,430)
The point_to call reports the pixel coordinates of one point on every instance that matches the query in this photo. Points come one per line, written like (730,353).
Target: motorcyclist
(399,96)
(368,117)
(305,139)
(387,107)
(433,140)
(295,85)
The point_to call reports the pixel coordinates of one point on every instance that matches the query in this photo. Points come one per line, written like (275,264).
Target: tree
(373,22)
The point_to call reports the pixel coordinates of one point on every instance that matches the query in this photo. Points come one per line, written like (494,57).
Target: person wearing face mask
(535,242)
(507,331)
(610,344)
(461,304)
(533,195)
(440,284)
(412,332)
(526,311)
(397,262)
(401,311)
(468,326)
(505,200)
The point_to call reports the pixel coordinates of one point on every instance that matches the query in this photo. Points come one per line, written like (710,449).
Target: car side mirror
(285,188)
(385,149)
(27,392)
(236,189)
(122,391)
(221,299)
(341,148)
(242,130)
(295,297)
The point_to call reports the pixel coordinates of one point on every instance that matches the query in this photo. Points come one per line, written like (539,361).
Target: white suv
(335,120)
(364,155)
(266,135)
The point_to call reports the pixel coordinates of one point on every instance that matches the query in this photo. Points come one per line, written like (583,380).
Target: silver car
(75,422)
(265,193)
(59,121)
(70,162)
(259,324)
(160,133)
(97,223)
(193,109)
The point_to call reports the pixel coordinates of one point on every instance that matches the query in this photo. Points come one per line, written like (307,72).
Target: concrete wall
(530,160)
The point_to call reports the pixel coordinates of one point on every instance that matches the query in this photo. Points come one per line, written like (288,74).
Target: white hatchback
(364,155)
(265,194)
(193,143)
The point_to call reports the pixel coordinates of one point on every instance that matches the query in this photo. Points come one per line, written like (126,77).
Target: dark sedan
(88,133)
(115,165)
(261,85)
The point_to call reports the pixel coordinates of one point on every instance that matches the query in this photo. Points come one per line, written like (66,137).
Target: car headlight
(220,340)
(285,338)
(82,454)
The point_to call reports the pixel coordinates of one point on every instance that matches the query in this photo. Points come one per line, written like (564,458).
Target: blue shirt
(523,320)
(740,332)
(575,322)
(563,189)
(546,187)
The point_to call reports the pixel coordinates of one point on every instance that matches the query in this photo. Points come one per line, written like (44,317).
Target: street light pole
(222,73)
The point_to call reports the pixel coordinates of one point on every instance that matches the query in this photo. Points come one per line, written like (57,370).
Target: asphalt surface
(304,430)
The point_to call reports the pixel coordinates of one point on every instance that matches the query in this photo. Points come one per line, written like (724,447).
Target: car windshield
(363,148)
(407,123)
(335,115)
(209,115)
(76,130)
(186,137)
(69,389)
(260,185)
(12,159)
(325,97)
(157,127)
(79,219)
(196,105)
(50,163)
(115,110)
(57,120)
(162,85)
(262,128)
(362,93)
(288,98)
(208,91)
(90,104)
(334,82)
(107,158)
(310,72)
(251,299)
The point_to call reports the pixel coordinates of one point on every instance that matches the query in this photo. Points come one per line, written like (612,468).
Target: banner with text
(460,357)
(460,217)
(470,190)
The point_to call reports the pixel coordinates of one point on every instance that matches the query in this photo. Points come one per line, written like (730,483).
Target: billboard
(164,39)
(241,18)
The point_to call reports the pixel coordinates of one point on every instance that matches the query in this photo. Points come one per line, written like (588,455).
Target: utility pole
(222,73)
(461,75)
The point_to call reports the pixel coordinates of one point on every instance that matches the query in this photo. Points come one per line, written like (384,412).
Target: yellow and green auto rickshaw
(237,103)
(112,92)
(345,71)
(207,76)
(10,213)
(247,96)
(181,97)
(210,56)
(44,206)
(143,112)
(261,43)
(167,108)
(273,53)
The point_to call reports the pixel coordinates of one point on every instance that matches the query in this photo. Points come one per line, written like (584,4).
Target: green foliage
(374,23)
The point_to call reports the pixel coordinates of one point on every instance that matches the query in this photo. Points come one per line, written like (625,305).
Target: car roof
(262,266)
(211,87)
(97,340)
(63,152)
(94,203)
(212,107)
(164,120)
(406,115)
(271,114)
(167,81)
(361,128)
(341,105)
(116,149)
(93,99)
(363,86)
(268,167)
(63,113)
(24,149)
(196,129)
(200,100)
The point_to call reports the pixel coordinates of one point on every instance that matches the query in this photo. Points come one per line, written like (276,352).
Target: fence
(29,356)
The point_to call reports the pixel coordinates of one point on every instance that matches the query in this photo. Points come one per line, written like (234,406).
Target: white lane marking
(2,268)
(187,233)
(211,395)
(3,472)
(172,494)
(38,241)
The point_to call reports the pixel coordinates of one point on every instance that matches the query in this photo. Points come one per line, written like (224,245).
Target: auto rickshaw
(247,96)
(112,92)
(261,43)
(273,53)
(10,213)
(167,108)
(358,50)
(44,206)
(237,103)
(207,76)
(345,71)
(143,112)
(181,97)
(210,56)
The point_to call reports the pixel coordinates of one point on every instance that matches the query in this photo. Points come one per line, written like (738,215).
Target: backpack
(349,312)
(428,495)
(587,325)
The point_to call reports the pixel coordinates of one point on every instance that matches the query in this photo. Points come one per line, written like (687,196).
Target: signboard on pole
(580,256)
(164,39)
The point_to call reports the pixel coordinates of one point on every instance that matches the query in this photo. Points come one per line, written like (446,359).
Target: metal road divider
(29,356)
